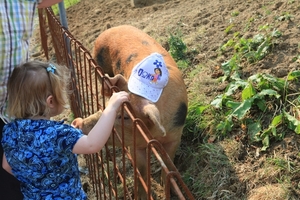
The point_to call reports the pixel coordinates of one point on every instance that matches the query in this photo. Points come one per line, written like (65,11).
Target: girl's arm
(5,165)
(98,136)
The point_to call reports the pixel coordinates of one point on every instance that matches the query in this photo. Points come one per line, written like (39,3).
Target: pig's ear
(118,81)
(153,114)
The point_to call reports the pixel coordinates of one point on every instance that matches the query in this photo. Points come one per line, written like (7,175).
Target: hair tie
(51,68)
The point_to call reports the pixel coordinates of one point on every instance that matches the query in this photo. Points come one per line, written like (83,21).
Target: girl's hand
(117,99)
(98,136)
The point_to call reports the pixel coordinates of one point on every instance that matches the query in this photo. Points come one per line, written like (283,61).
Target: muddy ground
(204,26)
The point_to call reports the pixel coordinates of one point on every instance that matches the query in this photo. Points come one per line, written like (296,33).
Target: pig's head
(142,108)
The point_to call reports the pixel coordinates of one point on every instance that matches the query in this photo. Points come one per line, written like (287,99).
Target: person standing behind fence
(16,26)
(42,153)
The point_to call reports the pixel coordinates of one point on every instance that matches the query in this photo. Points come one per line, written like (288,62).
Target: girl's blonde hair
(31,84)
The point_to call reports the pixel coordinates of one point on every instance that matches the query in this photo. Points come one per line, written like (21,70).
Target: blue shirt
(40,155)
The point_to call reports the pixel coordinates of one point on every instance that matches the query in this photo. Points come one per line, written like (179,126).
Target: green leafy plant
(178,48)
(284,16)
(248,50)
(258,93)
(235,13)
(229,28)
(194,122)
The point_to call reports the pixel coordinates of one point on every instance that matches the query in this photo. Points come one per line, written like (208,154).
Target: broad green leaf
(262,83)
(276,33)
(227,67)
(254,130)
(274,131)
(297,130)
(229,43)
(233,105)
(259,38)
(293,123)
(265,142)
(265,136)
(236,76)
(266,81)
(230,66)
(226,126)
(248,91)
(234,86)
(265,92)
(217,102)
(274,81)
(261,104)
(199,110)
(279,85)
(262,50)
(242,109)
(293,75)
(254,77)
(277,120)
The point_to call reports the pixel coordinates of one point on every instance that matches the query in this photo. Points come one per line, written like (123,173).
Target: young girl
(39,152)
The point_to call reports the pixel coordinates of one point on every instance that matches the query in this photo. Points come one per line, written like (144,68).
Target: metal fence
(112,171)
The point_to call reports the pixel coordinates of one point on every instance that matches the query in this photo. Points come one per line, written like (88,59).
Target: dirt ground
(203,25)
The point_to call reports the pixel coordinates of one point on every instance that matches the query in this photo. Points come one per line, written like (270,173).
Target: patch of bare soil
(204,26)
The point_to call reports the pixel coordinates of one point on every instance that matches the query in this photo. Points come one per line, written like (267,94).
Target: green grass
(203,182)
(67,3)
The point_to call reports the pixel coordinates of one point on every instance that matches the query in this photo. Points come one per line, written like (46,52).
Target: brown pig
(118,51)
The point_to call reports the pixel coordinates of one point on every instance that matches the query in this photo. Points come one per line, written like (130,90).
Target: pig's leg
(88,123)
(170,149)
(141,163)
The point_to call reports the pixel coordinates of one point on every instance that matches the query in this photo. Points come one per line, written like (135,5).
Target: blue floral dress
(40,154)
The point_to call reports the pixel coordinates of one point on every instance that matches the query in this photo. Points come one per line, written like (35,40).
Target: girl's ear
(50,101)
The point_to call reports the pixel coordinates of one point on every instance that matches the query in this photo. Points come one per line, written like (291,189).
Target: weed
(249,50)
(204,182)
(268,12)
(178,48)
(235,13)
(229,28)
(284,16)
(259,92)
(194,122)
(279,163)
(248,24)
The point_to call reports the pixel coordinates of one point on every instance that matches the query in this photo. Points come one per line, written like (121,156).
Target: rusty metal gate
(112,171)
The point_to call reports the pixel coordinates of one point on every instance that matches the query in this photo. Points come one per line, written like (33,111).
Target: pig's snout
(77,123)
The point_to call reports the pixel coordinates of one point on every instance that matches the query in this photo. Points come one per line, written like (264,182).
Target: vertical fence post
(63,15)
(64,23)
